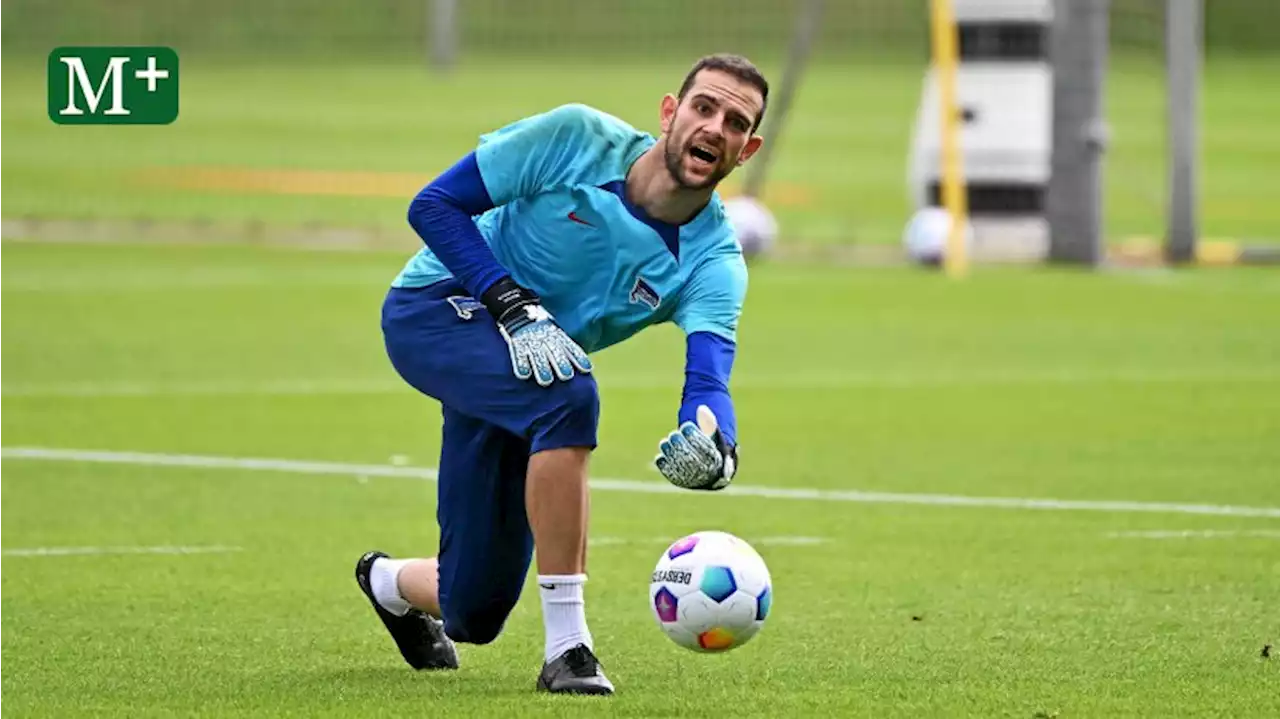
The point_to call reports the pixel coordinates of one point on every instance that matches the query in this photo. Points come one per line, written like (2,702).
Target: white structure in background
(1004,92)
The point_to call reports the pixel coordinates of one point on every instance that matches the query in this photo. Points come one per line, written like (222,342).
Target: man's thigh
(447,346)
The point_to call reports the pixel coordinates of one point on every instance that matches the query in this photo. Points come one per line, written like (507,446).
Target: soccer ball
(754,225)
(710,592)
(925,237)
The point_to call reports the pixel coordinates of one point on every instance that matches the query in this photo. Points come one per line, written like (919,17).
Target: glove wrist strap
(505,298)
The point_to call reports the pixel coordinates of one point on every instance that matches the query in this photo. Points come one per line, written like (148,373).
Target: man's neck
(651,187)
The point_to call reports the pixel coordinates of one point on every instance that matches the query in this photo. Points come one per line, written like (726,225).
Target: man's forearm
(442,214)
(708,362)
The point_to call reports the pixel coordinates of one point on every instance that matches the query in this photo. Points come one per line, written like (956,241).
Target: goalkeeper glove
(697,456)
(539,348)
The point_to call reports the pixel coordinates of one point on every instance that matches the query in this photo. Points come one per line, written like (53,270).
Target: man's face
(708,133)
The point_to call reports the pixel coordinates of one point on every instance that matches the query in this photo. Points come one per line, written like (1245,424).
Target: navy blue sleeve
(708,362)
(441,215)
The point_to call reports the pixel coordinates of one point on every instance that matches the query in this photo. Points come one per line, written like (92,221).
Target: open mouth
(703,154)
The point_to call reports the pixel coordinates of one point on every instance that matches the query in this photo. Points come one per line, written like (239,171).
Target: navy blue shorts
(445,344)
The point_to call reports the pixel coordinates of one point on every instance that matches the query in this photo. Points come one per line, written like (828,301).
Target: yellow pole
(946,59)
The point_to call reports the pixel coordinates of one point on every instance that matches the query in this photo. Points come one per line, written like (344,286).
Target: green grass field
(840,176)
(1151,387)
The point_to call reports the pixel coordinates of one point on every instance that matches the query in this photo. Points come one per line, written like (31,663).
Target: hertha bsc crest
(643,294)
(465,306)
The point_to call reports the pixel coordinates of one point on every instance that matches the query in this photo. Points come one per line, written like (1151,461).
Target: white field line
(210,387)
(624,381)
(89,551)
(778,541)
(1197,534)
(208,279)
(629,485)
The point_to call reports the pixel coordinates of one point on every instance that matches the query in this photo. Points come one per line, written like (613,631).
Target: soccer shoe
(577,671)
(419,636)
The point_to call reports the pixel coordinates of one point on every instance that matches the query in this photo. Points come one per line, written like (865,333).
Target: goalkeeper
(559,235)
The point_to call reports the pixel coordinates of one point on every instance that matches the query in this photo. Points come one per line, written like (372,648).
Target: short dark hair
(737,66)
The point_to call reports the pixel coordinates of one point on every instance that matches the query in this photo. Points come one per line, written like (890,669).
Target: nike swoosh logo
(574,216)
(547,586)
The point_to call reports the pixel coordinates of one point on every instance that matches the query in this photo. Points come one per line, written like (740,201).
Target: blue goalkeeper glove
(697,456)
(539,348)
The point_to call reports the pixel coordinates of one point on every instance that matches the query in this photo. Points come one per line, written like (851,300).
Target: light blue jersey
(562,227)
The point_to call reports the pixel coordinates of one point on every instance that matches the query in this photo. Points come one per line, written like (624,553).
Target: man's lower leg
(395,587)
(557,504)
(401,584)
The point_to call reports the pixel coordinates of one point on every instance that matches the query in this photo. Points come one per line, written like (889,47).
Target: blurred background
(318,120)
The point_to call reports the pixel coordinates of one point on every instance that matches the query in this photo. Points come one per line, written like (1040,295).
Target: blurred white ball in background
(925,237)
(755,226)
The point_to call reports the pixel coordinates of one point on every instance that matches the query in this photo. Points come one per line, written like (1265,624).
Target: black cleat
(577,671)
(419,636)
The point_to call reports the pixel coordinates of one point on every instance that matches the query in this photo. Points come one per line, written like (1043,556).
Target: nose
(714,129)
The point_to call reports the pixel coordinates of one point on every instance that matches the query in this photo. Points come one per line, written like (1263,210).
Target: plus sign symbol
(151,74)
(113,85)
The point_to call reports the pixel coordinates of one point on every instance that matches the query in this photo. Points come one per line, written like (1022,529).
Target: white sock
(563,613)
(383,577)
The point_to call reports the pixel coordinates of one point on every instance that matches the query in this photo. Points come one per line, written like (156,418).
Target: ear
(750,148)
(667,111)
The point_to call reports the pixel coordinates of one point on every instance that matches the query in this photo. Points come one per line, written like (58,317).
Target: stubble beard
(674,161)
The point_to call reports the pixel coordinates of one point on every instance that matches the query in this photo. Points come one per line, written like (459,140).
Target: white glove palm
(539,348)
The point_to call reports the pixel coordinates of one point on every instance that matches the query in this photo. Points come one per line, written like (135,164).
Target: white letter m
(76,72)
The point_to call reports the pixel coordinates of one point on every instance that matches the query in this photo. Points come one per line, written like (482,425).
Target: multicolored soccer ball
(710,592)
